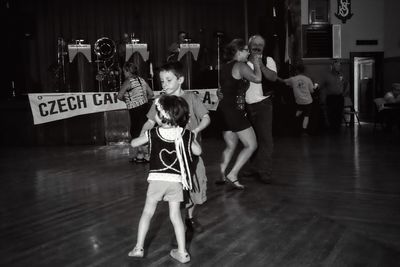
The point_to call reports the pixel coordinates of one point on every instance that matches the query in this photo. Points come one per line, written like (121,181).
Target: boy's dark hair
(176,107)
(175,67)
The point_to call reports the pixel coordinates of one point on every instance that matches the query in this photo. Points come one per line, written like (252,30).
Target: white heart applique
(168,166)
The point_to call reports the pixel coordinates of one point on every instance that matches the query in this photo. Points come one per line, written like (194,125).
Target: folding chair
(379,105)
(348,109)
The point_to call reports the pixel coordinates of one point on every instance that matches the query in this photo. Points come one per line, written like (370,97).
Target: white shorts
(167,191)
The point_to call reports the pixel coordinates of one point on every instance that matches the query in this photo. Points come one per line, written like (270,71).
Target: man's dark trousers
(260,115)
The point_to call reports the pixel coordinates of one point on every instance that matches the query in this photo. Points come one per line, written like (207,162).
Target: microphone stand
(99,75)
(63,53)
(189,63)
(218,58)
(61,63)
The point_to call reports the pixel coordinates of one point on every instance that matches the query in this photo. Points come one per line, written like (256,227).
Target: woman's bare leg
(231,141)
(249,141)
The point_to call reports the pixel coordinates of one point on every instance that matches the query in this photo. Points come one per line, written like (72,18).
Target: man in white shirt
(259,110)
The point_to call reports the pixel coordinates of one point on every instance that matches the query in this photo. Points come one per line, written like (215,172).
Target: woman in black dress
(235,76)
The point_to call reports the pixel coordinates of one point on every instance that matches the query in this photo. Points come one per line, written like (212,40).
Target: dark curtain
(154,22)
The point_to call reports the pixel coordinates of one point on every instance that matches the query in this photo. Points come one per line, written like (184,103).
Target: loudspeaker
(336,41)
(317,40)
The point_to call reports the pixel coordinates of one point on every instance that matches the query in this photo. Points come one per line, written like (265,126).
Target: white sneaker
(181,257)
(136,252)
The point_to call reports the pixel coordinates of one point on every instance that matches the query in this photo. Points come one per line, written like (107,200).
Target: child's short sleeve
(198,107)
(310,85)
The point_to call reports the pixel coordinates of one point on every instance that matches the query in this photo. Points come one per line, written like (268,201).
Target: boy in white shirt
(303,87)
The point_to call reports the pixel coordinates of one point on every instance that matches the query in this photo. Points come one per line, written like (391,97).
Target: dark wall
(18,29)
(391,72)
(33,27)
(155,22)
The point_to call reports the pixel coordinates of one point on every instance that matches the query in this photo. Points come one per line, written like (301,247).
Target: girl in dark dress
(235,75)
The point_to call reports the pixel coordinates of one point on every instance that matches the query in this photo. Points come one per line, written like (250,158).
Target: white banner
(207,96)
(57,106)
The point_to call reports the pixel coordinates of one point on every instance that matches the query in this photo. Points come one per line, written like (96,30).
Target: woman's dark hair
(231,48)
(176,107)
(131,67)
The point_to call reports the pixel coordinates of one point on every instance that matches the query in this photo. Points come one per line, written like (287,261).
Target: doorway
(366,82)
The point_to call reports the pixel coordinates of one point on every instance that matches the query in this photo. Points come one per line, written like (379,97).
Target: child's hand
(196,132)
(120,98)
(196,148)
(141,140)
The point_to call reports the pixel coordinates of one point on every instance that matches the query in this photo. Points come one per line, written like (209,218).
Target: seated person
(393,96)
(392,101)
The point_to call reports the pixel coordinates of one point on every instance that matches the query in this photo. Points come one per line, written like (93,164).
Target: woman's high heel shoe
(221,181)
(235,183)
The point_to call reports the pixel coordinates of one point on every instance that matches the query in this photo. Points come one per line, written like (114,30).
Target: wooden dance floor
(335,202)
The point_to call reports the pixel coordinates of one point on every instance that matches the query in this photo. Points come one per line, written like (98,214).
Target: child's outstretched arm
(285,81)
(124,87)
(148,125)
(141,140)
(196,148)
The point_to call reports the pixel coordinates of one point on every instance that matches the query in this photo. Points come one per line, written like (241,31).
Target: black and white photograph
(259,133)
